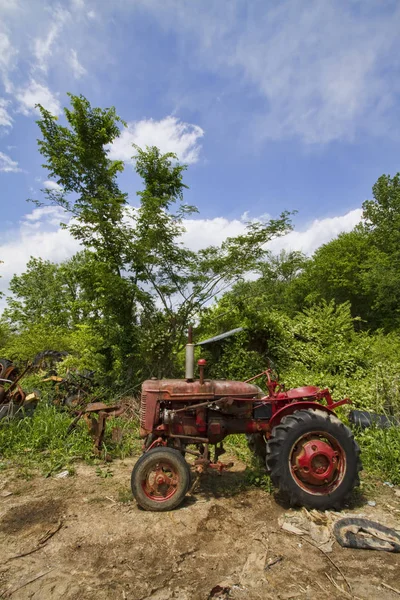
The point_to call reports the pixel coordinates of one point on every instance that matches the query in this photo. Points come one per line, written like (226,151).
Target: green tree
(39,295)
(151,286)
(336,272)
(77,159)
(381,217)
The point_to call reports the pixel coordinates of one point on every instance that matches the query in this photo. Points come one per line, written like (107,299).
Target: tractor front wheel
(160,479)
(312,457)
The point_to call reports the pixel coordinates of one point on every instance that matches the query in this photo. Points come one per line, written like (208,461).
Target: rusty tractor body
(310,454)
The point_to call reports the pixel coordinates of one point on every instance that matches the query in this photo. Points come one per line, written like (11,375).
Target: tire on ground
(281,446)
(148,461)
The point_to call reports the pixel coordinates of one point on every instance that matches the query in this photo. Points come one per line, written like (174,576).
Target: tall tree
(146,277)
(77,159)
(381,221)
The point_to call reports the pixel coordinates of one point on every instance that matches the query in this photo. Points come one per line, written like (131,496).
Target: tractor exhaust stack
(189,362)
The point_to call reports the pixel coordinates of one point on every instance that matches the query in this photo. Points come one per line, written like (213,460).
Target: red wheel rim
(160,481)
(317,463)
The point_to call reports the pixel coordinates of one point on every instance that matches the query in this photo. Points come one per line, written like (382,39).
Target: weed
(124,495)
(104,473)
(237,445)
(259,478)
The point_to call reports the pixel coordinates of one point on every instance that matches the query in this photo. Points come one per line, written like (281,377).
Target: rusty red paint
(160,481)
(318,463)
(201,364)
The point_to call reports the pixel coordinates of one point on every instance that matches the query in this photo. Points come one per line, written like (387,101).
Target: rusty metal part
(161,482)
(13,394)
(201,364)
(179,393)
(18,379)
(96,415)
(318,462)
(158,442)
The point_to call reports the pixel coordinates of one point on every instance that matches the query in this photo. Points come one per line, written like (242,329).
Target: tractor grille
(143,410)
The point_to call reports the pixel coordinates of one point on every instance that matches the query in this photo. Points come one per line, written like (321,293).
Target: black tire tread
(164,453)
(289,424)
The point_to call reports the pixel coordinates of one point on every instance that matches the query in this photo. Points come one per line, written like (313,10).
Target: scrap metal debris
(354,532)
(73,392)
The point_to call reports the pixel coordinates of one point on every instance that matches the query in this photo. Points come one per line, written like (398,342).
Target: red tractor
(309,453)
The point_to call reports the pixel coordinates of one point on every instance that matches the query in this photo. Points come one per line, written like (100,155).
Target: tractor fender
(289,409)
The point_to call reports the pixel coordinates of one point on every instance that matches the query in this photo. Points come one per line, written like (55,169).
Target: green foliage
(39,336)
(5,333)
(136,287)
(336,272)
(381,452)
(42,440)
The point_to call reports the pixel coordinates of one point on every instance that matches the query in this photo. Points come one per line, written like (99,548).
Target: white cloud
(43,217)
(210,232)
(9,5)
(5,117)
(319,232)
(7,55)
(77,69)
(39,235)
(52,185)
(7,164)
(203,232)
(43,47)
(36,93)
(169,134)
(323,70)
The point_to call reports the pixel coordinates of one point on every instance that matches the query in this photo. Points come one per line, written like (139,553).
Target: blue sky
(275,105)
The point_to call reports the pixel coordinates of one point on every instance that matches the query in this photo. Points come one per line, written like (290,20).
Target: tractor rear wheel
(160,479)
(313,458)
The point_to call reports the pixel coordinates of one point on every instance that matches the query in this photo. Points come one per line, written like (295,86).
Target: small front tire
(160,479)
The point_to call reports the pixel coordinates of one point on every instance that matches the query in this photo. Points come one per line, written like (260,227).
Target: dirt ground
(224,541)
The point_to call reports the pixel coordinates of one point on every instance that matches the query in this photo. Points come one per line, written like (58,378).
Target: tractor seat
(303,392)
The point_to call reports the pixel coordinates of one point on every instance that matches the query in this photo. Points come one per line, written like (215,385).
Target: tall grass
(43,441)
(380,452)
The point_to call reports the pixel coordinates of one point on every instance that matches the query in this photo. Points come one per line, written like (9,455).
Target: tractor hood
(178,389)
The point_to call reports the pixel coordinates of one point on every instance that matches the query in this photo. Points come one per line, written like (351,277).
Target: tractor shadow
(212,485)
(356,500)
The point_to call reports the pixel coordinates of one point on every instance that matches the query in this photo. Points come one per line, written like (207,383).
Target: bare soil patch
(220,541)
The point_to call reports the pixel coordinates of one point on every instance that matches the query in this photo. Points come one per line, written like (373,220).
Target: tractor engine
(209,409)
